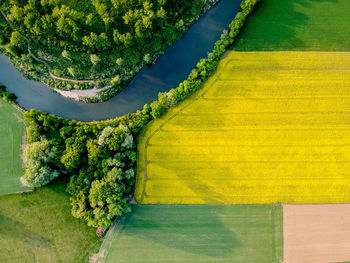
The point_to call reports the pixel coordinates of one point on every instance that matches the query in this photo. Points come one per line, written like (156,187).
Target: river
(167,73)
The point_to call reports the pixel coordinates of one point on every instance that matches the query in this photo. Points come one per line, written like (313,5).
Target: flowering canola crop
(267,127)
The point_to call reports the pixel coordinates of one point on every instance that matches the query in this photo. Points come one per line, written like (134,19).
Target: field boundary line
(248,145)
(277,237)
(256,203)
(261,129)
(113,231)
(178,109)
(255,162)
(250,178)
(229,98)
(264,112)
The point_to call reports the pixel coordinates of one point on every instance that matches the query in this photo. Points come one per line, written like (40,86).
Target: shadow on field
(274,24)
(199,174)
(14,230)
(193,229)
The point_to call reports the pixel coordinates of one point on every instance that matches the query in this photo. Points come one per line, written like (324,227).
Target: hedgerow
(100,157)
(205,67)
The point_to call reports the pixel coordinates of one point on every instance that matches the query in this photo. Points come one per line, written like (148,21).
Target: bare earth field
(316,233)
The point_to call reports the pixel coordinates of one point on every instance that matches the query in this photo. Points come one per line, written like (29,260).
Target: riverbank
(170,69)
(62,72)
(82,95)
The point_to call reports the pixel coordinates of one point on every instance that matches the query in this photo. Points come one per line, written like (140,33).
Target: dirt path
(316,233)
(42,61)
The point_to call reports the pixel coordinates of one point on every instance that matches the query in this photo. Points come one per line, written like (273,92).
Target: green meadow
(38,227)
(11,136)
(196,233)
(316,25)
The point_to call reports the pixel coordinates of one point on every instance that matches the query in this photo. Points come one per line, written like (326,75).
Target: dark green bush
(6,95)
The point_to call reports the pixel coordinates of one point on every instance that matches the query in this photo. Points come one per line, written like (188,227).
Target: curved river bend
(167,73)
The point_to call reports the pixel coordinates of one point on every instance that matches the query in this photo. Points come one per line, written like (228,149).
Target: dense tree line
(97,25)
(100,157)
(205,67)
(105,40)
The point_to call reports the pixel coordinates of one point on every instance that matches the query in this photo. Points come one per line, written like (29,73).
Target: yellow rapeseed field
(268,127)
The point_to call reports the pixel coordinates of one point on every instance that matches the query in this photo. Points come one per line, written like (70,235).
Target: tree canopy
(86,39)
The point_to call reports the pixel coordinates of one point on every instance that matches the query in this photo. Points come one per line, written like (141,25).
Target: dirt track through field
(316,233)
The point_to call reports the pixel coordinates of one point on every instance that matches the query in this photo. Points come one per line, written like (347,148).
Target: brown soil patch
(23,146)
(316,233)
(19,119)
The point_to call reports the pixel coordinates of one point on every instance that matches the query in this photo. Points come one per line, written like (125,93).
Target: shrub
(6,95)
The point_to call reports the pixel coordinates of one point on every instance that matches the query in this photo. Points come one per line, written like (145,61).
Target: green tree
(116,80)
(119,62)
(106,135)
(71,71)
(65,54)
(147,58)
(107,202)
(95,60)
(39,160)
(16,14)
(16,40)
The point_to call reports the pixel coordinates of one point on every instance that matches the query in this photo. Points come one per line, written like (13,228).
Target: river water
(167,73)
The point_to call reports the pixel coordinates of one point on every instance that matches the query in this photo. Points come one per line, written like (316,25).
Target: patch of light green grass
(38,227)
(11,133)
(197,233)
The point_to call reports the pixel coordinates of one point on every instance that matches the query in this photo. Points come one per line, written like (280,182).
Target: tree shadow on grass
(194,230)
(273,26)
(14,230)
(195,233)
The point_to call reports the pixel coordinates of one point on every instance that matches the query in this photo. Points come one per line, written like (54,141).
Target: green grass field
(316,25)
(38,227)
(11,132)
(197,233)
(268,127)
